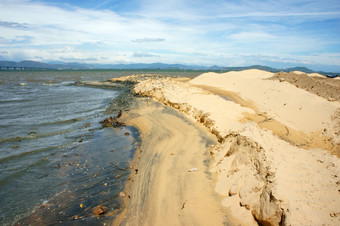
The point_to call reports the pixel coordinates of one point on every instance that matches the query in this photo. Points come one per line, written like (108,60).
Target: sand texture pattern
(265,176)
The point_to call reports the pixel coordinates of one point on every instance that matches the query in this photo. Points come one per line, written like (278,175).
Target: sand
(293,107)
(328,88)
(308,74)
(284,108)
(277,160)
(164,192)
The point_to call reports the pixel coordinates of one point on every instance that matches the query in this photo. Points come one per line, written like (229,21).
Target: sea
(57,163)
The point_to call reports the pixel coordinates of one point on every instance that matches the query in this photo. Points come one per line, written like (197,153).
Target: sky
(276,33)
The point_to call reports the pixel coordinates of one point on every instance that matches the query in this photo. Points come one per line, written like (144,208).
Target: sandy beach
(275,160)
(173,185)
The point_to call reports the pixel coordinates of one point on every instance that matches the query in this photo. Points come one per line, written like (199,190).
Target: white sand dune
(293,107)
(273,162)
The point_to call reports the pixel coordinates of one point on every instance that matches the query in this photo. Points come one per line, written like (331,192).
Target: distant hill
(32,65)
(29,64)
(303,69)
(259,67)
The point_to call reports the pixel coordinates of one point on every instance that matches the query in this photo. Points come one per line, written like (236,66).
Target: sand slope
(294,107)
(306,119)
(262,176)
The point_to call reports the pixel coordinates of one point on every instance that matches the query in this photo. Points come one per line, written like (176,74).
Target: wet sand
(164,192)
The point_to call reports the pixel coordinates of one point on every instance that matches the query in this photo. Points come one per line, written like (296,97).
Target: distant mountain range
(34,65)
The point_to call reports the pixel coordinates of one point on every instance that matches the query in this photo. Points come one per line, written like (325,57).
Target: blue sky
(205,32)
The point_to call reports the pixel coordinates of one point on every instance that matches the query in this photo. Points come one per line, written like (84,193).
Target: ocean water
(56,161)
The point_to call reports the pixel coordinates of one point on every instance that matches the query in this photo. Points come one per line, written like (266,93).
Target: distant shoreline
(40,66)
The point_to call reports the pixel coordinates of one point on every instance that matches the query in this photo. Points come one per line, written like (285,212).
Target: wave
(33,135)
(53,83)
(15,100)
(67,121)
(32,152)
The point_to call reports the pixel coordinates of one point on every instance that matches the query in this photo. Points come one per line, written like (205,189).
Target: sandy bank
(306,119)
(293,107)
(264,177)
(164,192)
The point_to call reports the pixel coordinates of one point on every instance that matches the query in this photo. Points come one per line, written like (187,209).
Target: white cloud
(205,32)
(141,55)
(12,25)
(252,36)
(149,40)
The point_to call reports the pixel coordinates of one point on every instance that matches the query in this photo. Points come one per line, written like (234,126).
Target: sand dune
(294,107)
(276,159)
(309,74)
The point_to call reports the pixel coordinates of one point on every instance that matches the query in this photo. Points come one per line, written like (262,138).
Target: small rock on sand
(99,210)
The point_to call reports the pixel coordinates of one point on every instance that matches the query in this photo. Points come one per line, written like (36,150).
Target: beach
(274,159)
(170,113)
(172,185)
(58,163)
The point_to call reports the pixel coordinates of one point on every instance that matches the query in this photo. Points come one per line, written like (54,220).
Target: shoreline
(164,191)
(124,195)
